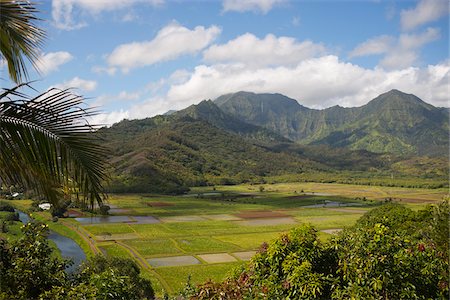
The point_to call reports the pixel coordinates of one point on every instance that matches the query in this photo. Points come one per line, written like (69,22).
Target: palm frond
(46,143)
(19,36)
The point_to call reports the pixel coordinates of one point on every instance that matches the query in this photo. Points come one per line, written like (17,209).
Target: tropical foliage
(188,148)
(20,37)
(391,253)
(46,142)
(29,269)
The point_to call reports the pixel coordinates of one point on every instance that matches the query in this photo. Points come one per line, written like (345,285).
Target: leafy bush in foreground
(29,270)
(390,253)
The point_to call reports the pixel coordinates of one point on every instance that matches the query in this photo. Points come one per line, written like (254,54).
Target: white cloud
(426,11)
(316,83)
(272,50)
(101,70)
(107,119)
(412,41)
(263,6)
(51,61)
(78,83)
(405,53)
(171,42)
(63,10)
(377,45)
(122,96)
(399,52)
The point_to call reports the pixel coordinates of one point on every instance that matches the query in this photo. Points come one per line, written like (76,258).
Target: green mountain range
(246,137)
(393,122)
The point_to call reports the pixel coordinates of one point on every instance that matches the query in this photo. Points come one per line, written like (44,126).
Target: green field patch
(118,237)
(310,212)
(203,228)
(330,222)
(114,250)
(204,245)
(105,229)
(154,231)
(249,240)
(149,248)
(267,222)
(177,277)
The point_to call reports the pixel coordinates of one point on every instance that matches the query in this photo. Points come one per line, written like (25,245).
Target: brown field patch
(159,204)
(255,214)
(244,255)
(217,258)
(173,261)
(298,197)
(71,213)
(333,231)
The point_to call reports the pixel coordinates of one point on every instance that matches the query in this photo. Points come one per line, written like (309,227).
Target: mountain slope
(393,122)
(169,153)
(208,111)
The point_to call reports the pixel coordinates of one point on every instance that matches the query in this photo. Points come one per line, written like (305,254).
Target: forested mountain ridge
(208,143)
(392,122)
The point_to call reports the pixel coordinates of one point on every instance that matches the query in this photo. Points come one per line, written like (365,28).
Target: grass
(113,249)
(249,241)
(330,222)
(176,277)
(205,245)
(160,247)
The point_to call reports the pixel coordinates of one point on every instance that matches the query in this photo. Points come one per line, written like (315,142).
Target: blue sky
(139,58)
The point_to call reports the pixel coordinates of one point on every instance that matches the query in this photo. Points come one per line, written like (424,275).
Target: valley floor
(209,232)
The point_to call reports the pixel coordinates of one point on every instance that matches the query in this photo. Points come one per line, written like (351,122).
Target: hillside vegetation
(247,137)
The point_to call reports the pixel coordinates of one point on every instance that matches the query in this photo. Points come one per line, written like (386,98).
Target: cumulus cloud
(426,11)
(377,45)
(78,83)
(317,83)
(405,53)
(399,52)
(104,70)
(63,10)
(107,119)
(106,99)
(271,50)
(170,42)
(49,62)
(263,6)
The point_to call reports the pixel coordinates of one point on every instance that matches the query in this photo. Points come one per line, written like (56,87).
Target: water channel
(67,247)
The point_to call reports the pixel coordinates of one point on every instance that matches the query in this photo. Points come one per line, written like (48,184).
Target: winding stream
(67,247)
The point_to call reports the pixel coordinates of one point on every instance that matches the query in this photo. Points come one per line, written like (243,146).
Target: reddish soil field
(298,197)
(260,214)
(159,204)
(74,213)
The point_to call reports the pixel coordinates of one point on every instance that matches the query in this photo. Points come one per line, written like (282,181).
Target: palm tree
(46,142)
(19,37)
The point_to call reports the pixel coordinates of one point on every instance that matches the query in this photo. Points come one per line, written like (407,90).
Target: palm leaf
(46,143)
(19,36)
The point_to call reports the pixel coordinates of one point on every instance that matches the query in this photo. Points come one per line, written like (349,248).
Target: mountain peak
(398,99)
